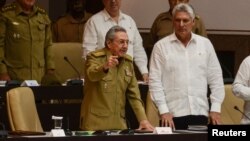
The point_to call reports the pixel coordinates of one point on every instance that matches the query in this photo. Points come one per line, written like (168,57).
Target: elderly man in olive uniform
(25,42)
(163,24)
(110,79)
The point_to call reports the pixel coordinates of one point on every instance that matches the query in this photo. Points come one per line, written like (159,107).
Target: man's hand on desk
(145,125)
(167,120)
(4,76)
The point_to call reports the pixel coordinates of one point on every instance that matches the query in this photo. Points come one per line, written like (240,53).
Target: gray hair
(110,35)
(183,7)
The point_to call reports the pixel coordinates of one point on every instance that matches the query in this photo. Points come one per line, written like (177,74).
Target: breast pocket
(107,85)
(40,30)
(201,59)
(16,31)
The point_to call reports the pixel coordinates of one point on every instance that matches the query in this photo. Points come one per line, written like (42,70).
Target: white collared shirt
(97,27)
(179,76)
(241,87)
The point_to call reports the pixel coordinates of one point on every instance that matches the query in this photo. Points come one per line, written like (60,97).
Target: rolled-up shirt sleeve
(241,87)
(155,81)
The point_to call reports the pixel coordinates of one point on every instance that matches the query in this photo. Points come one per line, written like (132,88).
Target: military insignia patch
(128,72)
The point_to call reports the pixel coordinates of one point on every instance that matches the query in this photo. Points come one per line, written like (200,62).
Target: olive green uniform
(163,26)
(67,29)
(105,94)
(25,43)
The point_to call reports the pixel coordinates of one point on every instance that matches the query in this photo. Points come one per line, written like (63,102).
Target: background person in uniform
(70,27)
(98,25)
(241,87)
(182,66)
(25,42)
(110,79)
(163,25)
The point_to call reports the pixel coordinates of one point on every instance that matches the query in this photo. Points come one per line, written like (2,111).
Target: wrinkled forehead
(121,35)
(177,1)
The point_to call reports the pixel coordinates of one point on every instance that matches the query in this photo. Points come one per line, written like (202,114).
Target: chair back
(228,114)
(22,110)
(73,51)
(152,111)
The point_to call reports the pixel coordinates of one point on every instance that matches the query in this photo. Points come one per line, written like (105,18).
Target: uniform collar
(173,38)
(83,20)
(19,10)
(167,16)
(108,17)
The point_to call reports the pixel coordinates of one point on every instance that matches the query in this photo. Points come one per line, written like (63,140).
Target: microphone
(3,132)
(76,81)
(68,131)
(236,108)
(128,131)
(229,79)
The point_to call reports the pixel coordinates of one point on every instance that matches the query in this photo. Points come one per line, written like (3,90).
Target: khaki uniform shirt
(25,43)
(163,26)
(67,29)
(105,94)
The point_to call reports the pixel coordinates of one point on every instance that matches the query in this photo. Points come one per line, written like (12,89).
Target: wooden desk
(45,94)
(172,137)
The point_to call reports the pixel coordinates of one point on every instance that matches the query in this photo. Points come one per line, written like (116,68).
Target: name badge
(57,133)
(163,130)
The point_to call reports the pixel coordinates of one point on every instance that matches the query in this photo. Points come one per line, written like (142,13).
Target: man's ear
(108,43)
(193,22)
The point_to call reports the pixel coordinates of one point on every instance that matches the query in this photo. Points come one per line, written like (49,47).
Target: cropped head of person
(112,6)
(183,21)
(173,3)
(116,41)
(76,6)
(27,5)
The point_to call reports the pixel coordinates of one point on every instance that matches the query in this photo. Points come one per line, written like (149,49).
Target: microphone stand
(75,81)
(236,108)
(128,131)
(68,131)
(3,132)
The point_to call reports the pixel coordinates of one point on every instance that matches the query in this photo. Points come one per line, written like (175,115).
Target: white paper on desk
(57,133)
(2,83)
(29,83)
(163,130)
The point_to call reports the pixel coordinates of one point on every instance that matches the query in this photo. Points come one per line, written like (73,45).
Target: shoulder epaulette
(41,10)
(128,57)
(8,7)
(197,17)
(99,53)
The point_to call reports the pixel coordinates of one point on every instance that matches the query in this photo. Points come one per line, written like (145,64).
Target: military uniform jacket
(25,42)
(67,29)
(105,94)
(163,26)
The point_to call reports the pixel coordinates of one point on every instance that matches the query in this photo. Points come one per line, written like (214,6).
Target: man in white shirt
(98,25)
(182,65)
(241,87)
